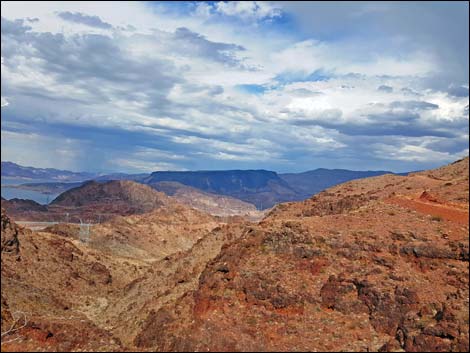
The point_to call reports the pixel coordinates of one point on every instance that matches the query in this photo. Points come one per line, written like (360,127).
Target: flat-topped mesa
(220,181)
(261,187)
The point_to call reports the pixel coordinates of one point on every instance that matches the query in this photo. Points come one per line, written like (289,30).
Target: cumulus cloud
(194,44)
(201,89)
(248,10)
(413,153)
(77,17)
(385,88)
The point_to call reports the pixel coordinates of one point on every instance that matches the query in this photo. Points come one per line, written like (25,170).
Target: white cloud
(139,166)
(34,149)
(416,153)
(310,55)
(248,10)
(176,77)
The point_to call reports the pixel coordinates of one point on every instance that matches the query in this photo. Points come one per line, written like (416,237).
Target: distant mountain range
(261,188)
(13,170)
(214,204)
(314,181)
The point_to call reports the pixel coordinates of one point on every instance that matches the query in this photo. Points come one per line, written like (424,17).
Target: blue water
(43,199)
(18,181)
(11,193)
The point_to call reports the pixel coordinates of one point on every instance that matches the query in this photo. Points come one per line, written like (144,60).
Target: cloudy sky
(285,86)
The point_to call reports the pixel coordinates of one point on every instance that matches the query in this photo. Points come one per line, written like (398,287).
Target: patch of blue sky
(182,8)
(251,88)
(282,21)
(290,77)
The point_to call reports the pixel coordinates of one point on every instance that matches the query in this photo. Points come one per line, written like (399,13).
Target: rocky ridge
(375,264)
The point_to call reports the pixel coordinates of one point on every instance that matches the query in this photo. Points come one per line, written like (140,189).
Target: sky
(284,86)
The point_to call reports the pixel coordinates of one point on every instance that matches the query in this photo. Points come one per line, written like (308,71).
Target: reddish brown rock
(348,270)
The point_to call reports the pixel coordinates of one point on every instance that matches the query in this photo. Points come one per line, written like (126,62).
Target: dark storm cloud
(458,91)
(407,123)
(387,123)
(450,145)
(77,17)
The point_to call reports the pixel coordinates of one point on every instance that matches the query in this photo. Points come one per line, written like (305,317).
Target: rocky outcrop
(10,243)
(456,252)
(344,271)
(363,274)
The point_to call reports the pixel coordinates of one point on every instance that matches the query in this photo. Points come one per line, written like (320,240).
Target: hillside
(354,264)
(126,197)
(217,205)
(375,264)
(91,202)
(54,284)
(102,200)
(216,192)
(20,205)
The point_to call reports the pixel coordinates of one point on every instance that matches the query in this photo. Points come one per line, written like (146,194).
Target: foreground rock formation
(377,264)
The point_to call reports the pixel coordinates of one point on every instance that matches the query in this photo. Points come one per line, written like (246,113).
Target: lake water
(11,193)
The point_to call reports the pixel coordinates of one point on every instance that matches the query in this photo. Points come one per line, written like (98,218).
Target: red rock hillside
(377,264)
(368,265)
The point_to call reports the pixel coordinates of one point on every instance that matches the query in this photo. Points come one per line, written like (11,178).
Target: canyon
(378,263)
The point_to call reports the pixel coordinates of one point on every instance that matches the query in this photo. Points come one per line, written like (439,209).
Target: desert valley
(247,176)
(379,263)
